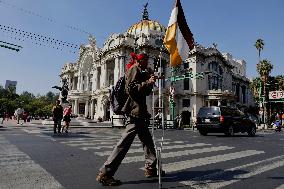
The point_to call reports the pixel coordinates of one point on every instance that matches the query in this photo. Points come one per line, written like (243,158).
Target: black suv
(228,120)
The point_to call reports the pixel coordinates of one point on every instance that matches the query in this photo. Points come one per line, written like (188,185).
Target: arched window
(215,79)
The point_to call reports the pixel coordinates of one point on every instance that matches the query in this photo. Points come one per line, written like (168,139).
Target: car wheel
(252,131)
(230,131)
(203,133)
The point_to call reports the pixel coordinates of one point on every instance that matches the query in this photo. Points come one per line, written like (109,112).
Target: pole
(172,101)
(260,100)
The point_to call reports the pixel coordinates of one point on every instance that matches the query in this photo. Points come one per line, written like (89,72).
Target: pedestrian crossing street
(178,156)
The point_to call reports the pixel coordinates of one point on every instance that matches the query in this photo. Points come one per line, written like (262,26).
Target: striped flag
(178,39)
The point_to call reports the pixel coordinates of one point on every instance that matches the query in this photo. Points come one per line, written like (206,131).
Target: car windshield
(209,111)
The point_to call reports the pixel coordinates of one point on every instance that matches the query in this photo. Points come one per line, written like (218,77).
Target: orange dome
(147,27)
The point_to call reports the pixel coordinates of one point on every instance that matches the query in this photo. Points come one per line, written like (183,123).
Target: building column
(76,107)
(73,84)
(116,70)
(105,76)
(121,66)
(96,110)
(87,83)
(219,102)
(69,82)
(92,109)
(81,82)
(87,108)
(73,106)
(94,80)
(103,79)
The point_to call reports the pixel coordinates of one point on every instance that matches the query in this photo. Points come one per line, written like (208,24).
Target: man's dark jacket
(137,87)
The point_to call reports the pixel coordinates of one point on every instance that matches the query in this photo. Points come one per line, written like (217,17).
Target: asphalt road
(32,157)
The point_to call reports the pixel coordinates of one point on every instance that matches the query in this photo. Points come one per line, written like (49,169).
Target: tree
(50,96)
(259,44)
(280,82)
(264,68)
(254,86)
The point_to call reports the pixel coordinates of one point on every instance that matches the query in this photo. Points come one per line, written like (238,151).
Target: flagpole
(172,100)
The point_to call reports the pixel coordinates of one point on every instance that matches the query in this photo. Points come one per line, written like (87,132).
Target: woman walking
(67,118)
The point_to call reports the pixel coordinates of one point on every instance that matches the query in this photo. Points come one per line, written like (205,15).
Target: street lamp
(260,100)
(263,101)
(187,75)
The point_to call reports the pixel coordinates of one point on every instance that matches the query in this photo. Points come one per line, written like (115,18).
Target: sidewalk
(75,123)
(264,127)
(49,123)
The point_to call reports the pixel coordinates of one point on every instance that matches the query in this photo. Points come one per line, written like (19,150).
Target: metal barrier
(168,124)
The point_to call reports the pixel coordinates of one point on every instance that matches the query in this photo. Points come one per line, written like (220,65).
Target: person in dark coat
(138,85)
(57,115)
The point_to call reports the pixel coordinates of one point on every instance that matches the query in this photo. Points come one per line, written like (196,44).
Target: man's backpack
(118,96)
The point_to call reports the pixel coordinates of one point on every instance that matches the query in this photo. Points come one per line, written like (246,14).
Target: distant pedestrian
(180,122)
(67,117)
(2,115)
(7,116)
(25,116)
(282,118)
(19,113)
(57,115)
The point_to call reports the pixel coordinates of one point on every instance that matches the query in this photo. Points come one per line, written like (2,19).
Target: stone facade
(97,70)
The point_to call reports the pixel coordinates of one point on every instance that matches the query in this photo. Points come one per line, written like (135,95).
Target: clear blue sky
(233,25)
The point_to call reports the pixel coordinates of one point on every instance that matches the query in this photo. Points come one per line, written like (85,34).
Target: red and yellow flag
(178,39)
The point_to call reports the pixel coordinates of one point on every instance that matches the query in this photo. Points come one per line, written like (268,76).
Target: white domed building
(97,70)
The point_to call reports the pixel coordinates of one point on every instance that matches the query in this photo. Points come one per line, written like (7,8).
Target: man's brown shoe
(107,180)
(149,173)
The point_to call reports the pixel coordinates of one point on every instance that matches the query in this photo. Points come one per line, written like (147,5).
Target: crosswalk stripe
(164,147)
(100,147)
(130,151)
(212,181)
(112,146)
(32,131)
(280,187)
(179,153)
(90,144)
(21,171)
(181,165)
(96,137)
(95,140)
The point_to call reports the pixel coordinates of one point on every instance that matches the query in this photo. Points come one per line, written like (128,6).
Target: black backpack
(118,96)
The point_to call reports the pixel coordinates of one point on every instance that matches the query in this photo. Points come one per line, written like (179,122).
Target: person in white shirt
(18,113)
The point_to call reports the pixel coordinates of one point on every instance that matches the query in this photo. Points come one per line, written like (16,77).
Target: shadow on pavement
(67,135)
(200,176)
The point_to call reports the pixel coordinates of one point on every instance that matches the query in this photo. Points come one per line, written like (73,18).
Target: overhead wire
(42,17)
(39,39)
(10,44)
(9,47)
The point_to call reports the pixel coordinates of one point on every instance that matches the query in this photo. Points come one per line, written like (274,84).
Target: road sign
(276,95)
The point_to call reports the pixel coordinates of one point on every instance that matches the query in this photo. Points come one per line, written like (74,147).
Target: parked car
(228,120)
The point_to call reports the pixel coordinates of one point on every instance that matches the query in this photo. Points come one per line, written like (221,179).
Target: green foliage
(259,44)
(264,67)
(36,106)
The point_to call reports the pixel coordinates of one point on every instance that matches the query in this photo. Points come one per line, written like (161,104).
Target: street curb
(74,126)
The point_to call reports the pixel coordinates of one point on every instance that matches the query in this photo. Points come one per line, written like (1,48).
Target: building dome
(146,27)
